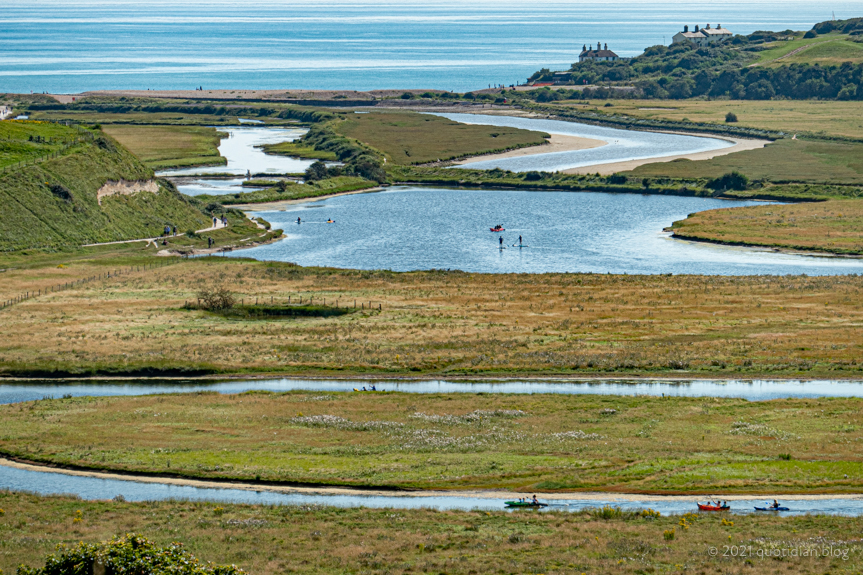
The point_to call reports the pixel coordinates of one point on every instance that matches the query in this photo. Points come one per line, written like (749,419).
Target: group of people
(223,220)
(532,501)
(717,503)
(168,230)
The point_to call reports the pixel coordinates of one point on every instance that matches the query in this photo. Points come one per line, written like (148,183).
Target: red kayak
(498,229)
(713,507)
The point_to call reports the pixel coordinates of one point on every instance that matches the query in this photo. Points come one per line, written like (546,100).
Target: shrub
(406,96)
(730,117)
(668,534)
(61,192)
(317,171)
(730,181)
(216,298)
(848,92)
(532,176)
(128,554)
(811,34)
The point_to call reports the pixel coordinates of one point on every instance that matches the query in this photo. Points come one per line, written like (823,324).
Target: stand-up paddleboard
(520,246)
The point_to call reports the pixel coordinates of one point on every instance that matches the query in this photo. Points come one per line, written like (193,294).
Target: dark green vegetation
(53,203)
(731,69)
(281,311)
(297,150)
(315,539)
(456,441)
(126,554)
(411,138)
(285,190)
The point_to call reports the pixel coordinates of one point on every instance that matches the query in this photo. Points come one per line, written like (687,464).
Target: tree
(730,117)
(216,298)
(730,181)
(317,171)
(848,92)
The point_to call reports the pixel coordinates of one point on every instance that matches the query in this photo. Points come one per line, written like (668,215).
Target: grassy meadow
(418,441)
(161,147)
(412,138)
(296,150)
(436,322)
(316,539)
(834,226)
(293,191)
(811,117)
(826,49)
(810,161)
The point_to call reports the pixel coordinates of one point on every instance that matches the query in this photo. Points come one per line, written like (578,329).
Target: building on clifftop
(703,36)
(598,55)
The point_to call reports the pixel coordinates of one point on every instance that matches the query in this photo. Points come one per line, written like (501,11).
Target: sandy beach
(740,145)
(556,143)
(467,493)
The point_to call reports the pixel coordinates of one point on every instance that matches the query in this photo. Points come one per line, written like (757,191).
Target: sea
(72,46)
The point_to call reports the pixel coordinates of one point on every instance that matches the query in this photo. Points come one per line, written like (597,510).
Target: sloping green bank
(54,204)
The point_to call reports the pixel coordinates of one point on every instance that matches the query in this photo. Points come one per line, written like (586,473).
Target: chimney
(686,28)
(606,45)
(708,26)
(591,48)
(696,27)
(584,48)
(719,26)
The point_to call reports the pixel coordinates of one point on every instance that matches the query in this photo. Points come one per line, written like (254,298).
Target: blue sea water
(70,46)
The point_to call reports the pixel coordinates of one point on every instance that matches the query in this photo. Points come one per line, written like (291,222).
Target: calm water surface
(78,45)
(240,150)
(91,488)
(412,228)
(756,390)
(621,145)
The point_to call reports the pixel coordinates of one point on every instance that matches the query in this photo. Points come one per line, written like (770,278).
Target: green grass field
(30,141)
(834,226)
(782,161)
(516,442)
(813,117)
(267,540)
(826,49)
(296,150)
(411,138)
(293,191)
(162,147)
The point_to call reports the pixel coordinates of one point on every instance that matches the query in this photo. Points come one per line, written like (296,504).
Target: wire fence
(83,136)
(90,279)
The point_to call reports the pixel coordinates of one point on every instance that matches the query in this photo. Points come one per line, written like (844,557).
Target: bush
(532,176)
(128,554)
(848,92)
(730,117)
(315,172)
(810,34)
(407,96)
(216,298)
(730,181)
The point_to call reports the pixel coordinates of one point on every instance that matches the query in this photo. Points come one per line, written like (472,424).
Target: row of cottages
(598,55)
(703,36)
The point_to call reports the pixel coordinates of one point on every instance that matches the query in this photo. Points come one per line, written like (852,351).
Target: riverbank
(405,442)
(325,539)
(738,145)
(556,143)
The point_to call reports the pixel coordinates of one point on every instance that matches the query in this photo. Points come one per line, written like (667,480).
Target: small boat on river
(528,504)
(713,507)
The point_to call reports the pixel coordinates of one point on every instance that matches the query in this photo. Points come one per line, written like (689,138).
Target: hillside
(52,200)
(823,63)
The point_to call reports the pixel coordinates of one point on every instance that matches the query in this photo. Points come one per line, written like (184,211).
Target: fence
(83,135)
(81,281)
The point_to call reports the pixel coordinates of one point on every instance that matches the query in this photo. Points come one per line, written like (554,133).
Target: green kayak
(524,504)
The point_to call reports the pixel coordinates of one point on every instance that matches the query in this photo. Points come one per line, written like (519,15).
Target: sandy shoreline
(466,494)
(282,204)
(556,143)
(740,145)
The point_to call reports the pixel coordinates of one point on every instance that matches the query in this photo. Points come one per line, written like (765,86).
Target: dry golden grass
(169,146)
(456,441)
(833,226)
(449,323)
(310,539)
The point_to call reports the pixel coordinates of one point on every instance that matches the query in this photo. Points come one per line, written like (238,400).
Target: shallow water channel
(621,145)
(54,482)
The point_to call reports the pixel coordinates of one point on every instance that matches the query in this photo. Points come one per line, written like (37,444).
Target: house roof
(598,54)
(691,34)
(716,31)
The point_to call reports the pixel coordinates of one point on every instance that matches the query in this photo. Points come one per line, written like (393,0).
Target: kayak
(772,509)
(497,229)
(524,504)
(713,507)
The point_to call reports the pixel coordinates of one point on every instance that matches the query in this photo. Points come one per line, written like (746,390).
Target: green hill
(49,184)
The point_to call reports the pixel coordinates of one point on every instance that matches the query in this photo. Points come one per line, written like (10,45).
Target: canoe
(772,509)
(713,507)
(524,504)
(497,229)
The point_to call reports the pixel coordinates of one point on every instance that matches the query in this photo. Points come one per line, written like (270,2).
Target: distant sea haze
(74,46)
